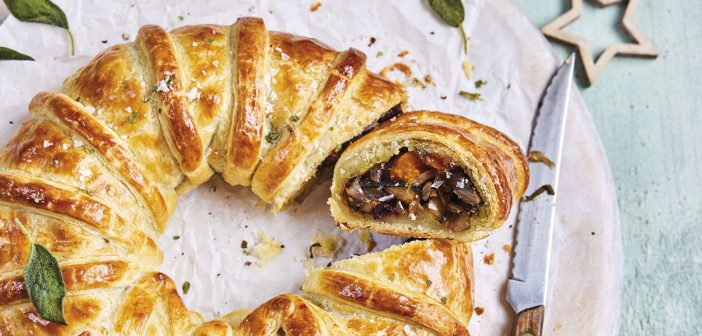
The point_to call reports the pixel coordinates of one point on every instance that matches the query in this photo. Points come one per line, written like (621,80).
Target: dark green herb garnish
(133,118)
(186,287)
(480,83)
(272,136)
(294,118)
(525,333)
(170,79)
(429,282)
(44,281)
(451,12)
(378,54)
(176,237)
(473,96)
(544,188)
(444,299)
(208,39)
(244,244)
(40,11)
(7,54)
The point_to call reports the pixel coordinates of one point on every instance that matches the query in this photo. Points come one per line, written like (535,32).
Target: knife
(527,288)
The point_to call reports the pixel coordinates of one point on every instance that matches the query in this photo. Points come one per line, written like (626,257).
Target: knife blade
(527,287)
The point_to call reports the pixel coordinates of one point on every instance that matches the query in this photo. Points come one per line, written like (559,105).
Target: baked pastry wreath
(94,175)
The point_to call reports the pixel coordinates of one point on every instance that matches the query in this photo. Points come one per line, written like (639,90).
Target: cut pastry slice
(429,174)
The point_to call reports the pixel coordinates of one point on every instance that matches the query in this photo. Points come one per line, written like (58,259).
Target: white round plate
(507,51)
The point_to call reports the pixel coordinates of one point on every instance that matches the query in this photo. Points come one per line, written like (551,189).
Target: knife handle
(529,322)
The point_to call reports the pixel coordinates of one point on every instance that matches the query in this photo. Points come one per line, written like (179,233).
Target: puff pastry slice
(429,174)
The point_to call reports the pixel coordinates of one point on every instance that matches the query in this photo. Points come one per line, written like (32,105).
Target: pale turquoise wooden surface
(649,116)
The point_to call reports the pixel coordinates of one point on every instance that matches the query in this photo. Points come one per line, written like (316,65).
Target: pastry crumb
(367,238)
(326,246)
(479,310)
(403,53)
(125,36)
(266,248)
(468,69)
(315,6)
(489,259)
(507,248)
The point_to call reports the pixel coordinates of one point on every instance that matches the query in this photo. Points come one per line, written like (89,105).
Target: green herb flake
(472,96)
(7,54)
(294,118)
(444,299)
(208,39)
(453,14)
(331,128)
(272,136)
(379,54)
(176,237)
(480,83)
(509,86)
(186,287)
(40,11)
(525,333)
(180,17)
(429,282)
(244,244)
(44,281)
(133,118)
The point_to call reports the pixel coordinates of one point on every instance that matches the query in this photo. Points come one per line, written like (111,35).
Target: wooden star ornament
(641,47)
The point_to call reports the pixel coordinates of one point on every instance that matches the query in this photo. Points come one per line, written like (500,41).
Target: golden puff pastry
(94,173)
(429,174)
(419,288)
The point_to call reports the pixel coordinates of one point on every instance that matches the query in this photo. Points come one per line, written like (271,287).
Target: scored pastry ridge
(95,172)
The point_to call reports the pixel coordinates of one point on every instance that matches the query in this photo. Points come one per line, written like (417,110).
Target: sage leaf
(44,281)
(7,54)
(453,13)
(40,11)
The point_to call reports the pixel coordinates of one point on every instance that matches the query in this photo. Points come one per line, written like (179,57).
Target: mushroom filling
(412,183)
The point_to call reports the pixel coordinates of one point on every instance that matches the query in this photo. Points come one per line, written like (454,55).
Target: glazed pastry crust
(95,171)
(421,288)
(494,163)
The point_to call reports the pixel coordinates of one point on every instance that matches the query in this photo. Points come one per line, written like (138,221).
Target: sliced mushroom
(468,195)
(376,173)
(436,207)
(354,190)
(458,223)
(426,191)
(382,211)
(403,194)
(373,193)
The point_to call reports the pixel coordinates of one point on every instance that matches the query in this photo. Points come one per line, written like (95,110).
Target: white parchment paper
(508,52)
